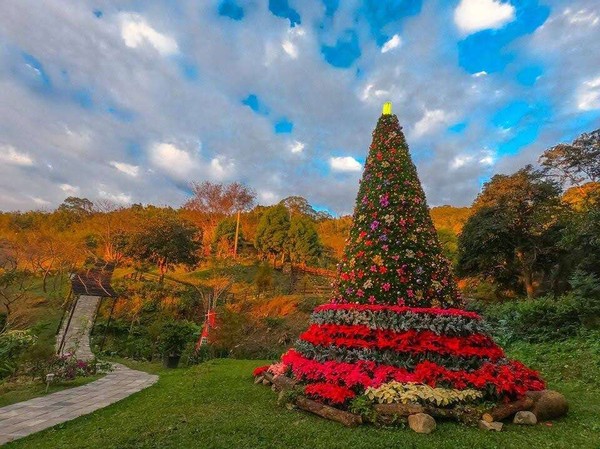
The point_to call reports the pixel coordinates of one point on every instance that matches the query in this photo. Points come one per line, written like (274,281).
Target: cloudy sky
(131,100)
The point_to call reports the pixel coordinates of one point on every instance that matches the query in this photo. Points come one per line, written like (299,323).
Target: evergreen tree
(303,241)
(224,239)
(393,255)
(271,233)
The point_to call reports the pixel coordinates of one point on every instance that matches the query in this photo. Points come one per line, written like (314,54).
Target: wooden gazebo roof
(94,281)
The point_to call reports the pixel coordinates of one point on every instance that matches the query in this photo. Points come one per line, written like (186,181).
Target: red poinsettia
(510,380)
(260,370)
(361,336)
(333,394)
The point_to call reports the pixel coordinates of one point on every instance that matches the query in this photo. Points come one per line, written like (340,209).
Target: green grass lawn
(215,405)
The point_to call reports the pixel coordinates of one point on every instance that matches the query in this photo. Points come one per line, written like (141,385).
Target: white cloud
(40,201)
(267,197)
(344,163)
(221,167)
(69,189)
(588,97)
(460,160)
(582,17)
(394,42)
(128,169)
(172,159)
(368,93)
(290,48)
(297,147)
(120,197)
(10,155)
(488,159)
(471,16)
(430,121)
(479,74)
(135,31)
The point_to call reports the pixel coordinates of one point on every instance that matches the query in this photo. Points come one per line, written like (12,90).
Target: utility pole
(237,233)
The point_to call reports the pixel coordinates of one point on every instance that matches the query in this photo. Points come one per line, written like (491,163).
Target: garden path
(24,418)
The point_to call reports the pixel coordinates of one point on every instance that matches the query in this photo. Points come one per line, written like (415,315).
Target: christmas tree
(393,255)
(395,330)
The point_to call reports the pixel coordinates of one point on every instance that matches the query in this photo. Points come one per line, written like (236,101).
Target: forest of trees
(526,234)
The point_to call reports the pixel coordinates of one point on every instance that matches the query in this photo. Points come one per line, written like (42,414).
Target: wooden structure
(88,287)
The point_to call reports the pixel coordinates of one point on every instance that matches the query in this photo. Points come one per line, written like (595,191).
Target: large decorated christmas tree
(395,330)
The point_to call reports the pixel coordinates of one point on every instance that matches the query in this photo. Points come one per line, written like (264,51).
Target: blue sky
(130,101)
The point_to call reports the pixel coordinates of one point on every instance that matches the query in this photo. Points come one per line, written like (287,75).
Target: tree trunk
(162,268)
(237,234)
(346,418)
(502,411)
(527,277)
(44,288)
(398,409)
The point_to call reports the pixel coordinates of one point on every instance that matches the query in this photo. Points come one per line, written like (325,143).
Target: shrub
(37,358)
(542,319)
(68,367)
(174,337)
(12,345)
(586,297)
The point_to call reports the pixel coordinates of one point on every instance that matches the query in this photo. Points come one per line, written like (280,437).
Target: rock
(492,426)
(525,418)
(421,423)
(548,404)
(281,397)
(501,411)
(258,379)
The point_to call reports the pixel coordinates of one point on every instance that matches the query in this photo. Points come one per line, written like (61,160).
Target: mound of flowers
(337,360)
(395,332)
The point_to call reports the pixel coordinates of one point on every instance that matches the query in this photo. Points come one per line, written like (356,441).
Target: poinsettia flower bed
(329,393)
(401,318)
(396,309)
(396,315)
(404,360)
(412,341)
(510,380)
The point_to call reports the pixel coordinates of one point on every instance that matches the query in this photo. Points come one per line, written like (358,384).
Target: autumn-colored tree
(576,162)
(165,240)
(210,202)
(511,236)
(333,232)
(450,217)
(15,283)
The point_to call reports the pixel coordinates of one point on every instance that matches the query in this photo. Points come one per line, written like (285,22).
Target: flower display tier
(395,334)
(354,347)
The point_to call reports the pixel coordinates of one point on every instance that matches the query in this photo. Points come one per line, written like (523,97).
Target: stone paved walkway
(24,418)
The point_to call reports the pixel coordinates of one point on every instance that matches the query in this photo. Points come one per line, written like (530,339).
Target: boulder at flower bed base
(396,316)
